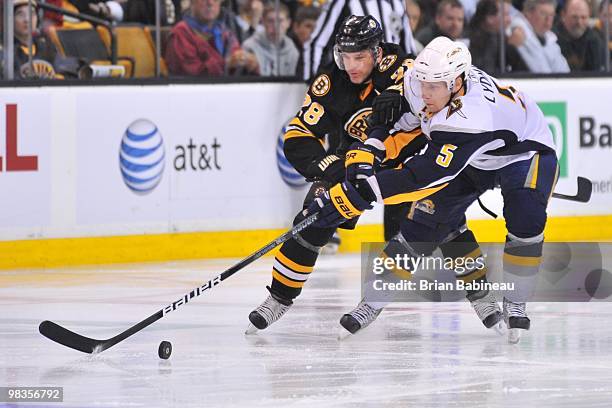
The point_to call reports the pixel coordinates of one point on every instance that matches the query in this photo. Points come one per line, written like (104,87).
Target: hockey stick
(61,335)
(583,195)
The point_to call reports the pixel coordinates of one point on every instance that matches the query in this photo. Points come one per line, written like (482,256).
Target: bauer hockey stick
(583,195)
(61,335)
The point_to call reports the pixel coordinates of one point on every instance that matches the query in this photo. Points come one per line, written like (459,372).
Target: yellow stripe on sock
(476,274)
(292,264)
(522,260)
(286,281)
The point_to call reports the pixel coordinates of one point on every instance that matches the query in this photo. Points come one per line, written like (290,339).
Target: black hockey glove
(387,108)
(341,203)
(330,168)
(361,160)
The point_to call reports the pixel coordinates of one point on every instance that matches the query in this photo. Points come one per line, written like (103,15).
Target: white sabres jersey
(509,123)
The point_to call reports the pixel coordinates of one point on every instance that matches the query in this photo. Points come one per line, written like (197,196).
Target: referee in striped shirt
(394,23)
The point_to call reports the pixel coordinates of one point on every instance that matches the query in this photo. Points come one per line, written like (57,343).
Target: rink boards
(134,173)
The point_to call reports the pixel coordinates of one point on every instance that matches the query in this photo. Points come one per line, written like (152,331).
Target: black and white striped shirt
(394,23)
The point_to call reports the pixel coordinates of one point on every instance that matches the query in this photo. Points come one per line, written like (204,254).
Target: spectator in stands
(600,27)
(448,22)
(248,19)
(539,49)
(275,52)
(42,52)
(485,38)
(301,30)
(580,45)
(413,10)
(201,45)
(110,9)
(143,11)
(469,9)
(428,9)
(133,11)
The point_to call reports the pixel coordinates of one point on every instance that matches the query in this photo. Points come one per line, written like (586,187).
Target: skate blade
(514,335)
(251,329)
(500,328)
(343,334)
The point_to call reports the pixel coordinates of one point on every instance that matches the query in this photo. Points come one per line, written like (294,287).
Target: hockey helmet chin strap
(463,87)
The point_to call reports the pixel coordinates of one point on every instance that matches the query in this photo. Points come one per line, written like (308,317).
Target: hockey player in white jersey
(481,135)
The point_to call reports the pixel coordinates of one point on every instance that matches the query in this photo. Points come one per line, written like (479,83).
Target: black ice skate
(486,309)
(272,309)
(516,319)
(360,317)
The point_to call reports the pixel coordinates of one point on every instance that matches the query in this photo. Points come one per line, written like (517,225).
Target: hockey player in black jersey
(480,135)
(337,103)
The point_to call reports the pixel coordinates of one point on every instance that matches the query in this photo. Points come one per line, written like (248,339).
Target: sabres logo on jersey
(321,85)
(386,62)
(427,206)
(455,107)
(357,125)
(425,115)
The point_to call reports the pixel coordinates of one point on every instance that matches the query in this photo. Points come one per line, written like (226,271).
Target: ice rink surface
(422,355)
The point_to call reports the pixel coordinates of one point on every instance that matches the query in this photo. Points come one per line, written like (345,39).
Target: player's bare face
(358,65)
(435,95)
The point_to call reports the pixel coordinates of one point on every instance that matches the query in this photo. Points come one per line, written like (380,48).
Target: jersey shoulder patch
(455,107)
(321,85)
(387,62)
(463,115)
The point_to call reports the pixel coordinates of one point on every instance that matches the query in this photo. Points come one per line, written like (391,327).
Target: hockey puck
(165,349)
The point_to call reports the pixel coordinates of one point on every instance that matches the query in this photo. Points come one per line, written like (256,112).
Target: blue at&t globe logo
(141,157)
(288,173)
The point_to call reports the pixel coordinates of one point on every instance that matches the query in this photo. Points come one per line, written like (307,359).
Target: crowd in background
(253,37)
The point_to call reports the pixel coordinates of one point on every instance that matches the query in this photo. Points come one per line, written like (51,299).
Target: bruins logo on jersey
(387,62)
(321,85)
(357,124)
(455,106)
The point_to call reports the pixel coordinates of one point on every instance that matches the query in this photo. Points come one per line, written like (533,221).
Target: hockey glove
(387,108)
(361,160)
(330,168)
(342,202)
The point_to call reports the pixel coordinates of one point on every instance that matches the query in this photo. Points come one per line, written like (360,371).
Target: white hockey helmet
(442,60)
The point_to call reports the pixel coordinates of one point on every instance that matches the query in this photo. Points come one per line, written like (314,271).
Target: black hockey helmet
(357,33)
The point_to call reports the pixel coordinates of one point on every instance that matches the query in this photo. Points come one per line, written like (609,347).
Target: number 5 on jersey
(446,155)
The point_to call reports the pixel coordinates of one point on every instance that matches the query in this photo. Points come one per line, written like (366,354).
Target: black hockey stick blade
(58,334)
(583,195)
(68,338)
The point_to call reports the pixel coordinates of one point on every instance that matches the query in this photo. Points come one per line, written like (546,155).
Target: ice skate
(488,311)
(516,319)
(360,317)
(272,309)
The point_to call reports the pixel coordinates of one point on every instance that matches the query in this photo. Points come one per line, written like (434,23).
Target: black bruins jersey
(335,106)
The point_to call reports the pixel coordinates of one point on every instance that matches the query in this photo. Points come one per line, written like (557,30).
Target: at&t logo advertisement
(288,173)
(141,156)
